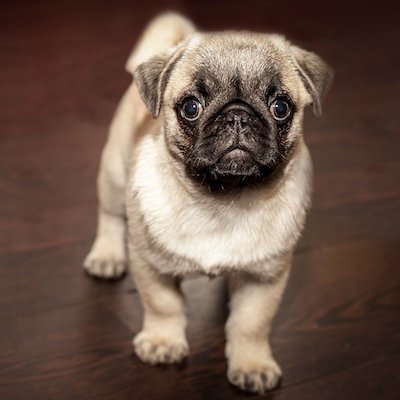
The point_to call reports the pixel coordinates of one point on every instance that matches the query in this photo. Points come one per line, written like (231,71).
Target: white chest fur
(215,232)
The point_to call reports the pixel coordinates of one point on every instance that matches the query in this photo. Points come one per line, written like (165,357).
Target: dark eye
(191,109)
(280,109)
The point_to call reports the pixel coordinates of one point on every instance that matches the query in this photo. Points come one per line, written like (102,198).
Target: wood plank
(48,279)
(378,379)
(79,352)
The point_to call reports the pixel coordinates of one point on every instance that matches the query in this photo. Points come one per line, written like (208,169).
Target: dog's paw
(104,268)
(256,380)
(160,350)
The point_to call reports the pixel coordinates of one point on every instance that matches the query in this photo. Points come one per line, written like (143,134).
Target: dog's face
(233,103)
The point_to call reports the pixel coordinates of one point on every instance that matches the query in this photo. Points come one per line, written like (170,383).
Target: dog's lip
(235,151)
(229,163)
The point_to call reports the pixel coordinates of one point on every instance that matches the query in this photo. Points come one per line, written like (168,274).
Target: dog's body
(197,202)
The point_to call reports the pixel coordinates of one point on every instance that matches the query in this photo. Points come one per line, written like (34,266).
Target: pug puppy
(206,170)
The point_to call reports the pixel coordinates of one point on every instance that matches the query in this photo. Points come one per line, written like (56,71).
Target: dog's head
(233,103)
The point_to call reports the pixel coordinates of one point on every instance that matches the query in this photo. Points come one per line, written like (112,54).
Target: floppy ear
(315,73)
(152,76)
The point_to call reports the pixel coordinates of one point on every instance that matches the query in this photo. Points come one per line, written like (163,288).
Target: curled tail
(162,33)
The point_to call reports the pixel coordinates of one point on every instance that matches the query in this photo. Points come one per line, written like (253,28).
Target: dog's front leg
(253,304)
(163,337)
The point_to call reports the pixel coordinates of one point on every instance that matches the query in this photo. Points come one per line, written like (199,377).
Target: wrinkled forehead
(241,60)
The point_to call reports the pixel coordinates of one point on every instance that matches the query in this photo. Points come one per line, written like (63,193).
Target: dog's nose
(238,115)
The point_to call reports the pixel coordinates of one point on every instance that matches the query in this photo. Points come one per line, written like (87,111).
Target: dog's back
(108,255)
(164,32)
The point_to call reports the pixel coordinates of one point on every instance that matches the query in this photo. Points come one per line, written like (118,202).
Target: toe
(105,269)
(256,381)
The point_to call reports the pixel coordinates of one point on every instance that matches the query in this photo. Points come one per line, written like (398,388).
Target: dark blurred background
(64,335)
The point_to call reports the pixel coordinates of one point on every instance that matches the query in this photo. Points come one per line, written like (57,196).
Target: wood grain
(66,336)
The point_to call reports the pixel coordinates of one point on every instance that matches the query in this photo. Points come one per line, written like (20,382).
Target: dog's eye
(280,110)
(191,109)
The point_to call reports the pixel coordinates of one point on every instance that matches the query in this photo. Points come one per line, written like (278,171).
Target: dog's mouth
(237,167)
(236,163)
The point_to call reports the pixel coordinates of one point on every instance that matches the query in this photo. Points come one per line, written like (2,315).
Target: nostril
(244,118)
(237,116)
(238,120)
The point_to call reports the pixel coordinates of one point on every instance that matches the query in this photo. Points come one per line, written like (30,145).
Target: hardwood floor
(64,335)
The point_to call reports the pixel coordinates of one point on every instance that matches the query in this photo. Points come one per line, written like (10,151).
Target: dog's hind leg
(108,256)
